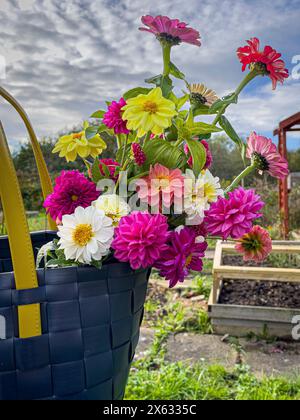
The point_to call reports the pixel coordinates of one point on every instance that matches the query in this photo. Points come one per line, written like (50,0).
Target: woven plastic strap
(40,162)
(19,240)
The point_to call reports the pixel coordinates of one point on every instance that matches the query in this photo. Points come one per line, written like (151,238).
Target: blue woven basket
(90,329)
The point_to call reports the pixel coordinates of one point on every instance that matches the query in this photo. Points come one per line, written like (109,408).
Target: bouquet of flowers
(155,202)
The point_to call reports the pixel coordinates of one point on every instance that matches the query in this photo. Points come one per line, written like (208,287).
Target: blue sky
(65,58)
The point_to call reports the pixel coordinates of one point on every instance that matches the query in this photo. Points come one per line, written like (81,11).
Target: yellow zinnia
(74,144)
(151,112)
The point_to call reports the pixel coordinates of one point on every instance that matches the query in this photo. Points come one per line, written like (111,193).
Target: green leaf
(163,152)
(95,170)
(198,153)
(107,137)
(201,110)
(224,102)
(182,101)
(132,93)
(98,114)
(91,132)
(176,72)
(230,131)
(203,128)
(155,80)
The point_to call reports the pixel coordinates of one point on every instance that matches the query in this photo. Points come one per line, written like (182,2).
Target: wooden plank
(242,328)
(283,248)
(255,313)
(259,273)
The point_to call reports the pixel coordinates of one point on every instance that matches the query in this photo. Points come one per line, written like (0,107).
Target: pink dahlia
(233,216)
(170,31)
(209,158)
(265,62)
(138,154)
(183,254)
(265,156)
(161,186)
(255,245)
(113,117)
(71,190)
(140,239)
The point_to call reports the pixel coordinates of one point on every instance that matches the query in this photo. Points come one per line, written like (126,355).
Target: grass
(35,223)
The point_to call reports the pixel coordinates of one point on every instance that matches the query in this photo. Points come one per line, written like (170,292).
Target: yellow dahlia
(74,144)
(200,94)
(151,112)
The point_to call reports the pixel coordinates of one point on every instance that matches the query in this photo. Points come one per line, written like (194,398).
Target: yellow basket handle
(41,165)
(19,240)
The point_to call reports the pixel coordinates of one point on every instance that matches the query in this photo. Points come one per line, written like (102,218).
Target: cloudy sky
(65,58)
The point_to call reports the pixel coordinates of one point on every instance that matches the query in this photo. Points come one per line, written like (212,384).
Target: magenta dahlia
(233,216)
(138,154)
(184,253)
(72,189)
(170,31)
(264,154)
(209,158)
(113,117)
(140,239)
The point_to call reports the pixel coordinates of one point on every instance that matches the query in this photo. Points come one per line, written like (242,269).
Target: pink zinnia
(183,254)
(161,186)
(171,31)
(265,155)
(138,154)
(71,190)
(266,62)
(209,158)
(233,216)
(140,239)
(113,117)
(255,245)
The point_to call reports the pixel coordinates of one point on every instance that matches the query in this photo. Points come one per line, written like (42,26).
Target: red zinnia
(266,61)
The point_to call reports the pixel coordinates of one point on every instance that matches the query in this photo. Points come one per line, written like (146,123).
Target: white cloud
(66,57)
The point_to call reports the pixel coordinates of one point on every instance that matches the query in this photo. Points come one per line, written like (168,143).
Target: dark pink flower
(255,245)
(170,31)
(209,158)
(234,216)
(263,152)
(266,61)
(140,239)
(184,253)
(72,189)
(113,117)
(139,155)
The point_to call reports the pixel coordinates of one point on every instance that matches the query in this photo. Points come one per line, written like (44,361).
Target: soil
(274,260)
(260,293)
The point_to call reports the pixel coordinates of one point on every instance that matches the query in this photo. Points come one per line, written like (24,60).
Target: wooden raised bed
(241,320)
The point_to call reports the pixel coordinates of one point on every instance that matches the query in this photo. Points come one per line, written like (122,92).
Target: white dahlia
(113,206)
(86,235)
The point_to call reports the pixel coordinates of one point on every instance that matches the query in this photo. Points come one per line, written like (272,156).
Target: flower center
(260,67)
(260,162)
(251,243)
(197,98)
(188,260)
(166,38)
(74,197)
(77,135)
(150,106)
(209,191)
(82,234)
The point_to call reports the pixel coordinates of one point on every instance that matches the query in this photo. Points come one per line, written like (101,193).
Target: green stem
(124,167)
(124,151)
(141,175)
(166,49)
(250,76)
(239,178)
(119,143)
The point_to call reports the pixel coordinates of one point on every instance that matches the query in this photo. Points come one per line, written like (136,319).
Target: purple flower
(113,117)
(72,189)
(139,155)
(183,254)
(234,216)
